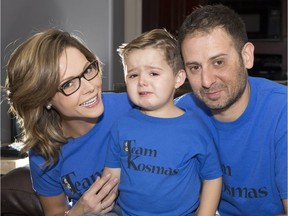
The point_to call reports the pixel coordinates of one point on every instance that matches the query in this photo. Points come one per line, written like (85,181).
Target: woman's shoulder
(37,163)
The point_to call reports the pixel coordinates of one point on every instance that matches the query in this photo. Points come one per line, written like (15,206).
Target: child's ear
(180,78)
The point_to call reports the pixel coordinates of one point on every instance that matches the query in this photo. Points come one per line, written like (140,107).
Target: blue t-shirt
(162,161)
(252,150)
(82,159)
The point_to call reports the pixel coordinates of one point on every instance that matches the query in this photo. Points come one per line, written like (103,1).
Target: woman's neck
(77,128)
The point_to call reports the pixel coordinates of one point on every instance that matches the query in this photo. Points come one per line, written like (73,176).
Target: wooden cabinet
(167,14)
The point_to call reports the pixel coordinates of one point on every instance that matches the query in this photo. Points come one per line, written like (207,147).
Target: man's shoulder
(187,98)
(189,101)
(271,86)
(269,92)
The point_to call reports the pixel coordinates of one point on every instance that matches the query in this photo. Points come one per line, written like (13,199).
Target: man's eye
(219,62)
(194,67)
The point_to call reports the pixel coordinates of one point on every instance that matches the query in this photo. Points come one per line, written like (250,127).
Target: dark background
(270,39)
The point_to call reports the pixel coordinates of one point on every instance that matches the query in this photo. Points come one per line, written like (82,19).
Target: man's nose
(208,77)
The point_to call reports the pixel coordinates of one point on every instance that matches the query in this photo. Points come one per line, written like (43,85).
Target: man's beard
(232,99)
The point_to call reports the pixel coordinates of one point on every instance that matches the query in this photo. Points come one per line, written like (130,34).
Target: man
(248,115)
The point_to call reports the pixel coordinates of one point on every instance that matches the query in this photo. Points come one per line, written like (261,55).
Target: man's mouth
(212,95)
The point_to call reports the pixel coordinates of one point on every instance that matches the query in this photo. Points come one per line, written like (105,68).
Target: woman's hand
(98,199)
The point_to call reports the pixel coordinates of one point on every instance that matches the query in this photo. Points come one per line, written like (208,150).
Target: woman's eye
(68,84)
(88,70)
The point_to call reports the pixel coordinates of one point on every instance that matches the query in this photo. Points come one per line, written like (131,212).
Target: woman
(54,90)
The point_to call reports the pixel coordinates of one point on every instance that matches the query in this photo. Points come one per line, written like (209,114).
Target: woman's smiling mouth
(90,102)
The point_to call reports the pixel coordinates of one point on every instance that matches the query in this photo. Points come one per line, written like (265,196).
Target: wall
(99,22)
(132,19)
(132,28)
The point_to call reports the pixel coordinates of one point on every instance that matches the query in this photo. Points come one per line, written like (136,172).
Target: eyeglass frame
(82,75)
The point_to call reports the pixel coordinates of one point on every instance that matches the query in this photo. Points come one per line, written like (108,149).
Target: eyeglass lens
(71,86)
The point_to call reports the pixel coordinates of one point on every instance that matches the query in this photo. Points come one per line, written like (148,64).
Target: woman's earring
(48,106)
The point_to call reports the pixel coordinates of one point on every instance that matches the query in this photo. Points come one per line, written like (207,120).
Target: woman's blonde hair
(32,80)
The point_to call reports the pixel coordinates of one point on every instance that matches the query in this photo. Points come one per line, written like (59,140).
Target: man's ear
(180,78)
(248,55)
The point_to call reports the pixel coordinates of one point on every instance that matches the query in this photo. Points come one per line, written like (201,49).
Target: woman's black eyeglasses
(71,86)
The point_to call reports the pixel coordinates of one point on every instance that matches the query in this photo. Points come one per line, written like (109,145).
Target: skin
(78,117)
(151,85)
(73,110)
(210,195)
(218,75)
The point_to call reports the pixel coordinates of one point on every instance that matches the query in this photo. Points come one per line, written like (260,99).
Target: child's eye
(154,74)
(131,76)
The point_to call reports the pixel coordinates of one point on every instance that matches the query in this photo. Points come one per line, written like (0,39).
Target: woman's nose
(87,86)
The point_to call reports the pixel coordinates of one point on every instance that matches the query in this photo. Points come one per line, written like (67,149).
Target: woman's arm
(54,205)
(209,198)
(98,199)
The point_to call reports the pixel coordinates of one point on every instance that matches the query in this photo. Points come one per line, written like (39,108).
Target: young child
(162,154)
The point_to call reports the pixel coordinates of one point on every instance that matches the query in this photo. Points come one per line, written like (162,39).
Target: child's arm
(209,198)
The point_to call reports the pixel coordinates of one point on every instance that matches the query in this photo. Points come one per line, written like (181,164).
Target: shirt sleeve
(210,167)
(113,151)
(45,180)
(281,154)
